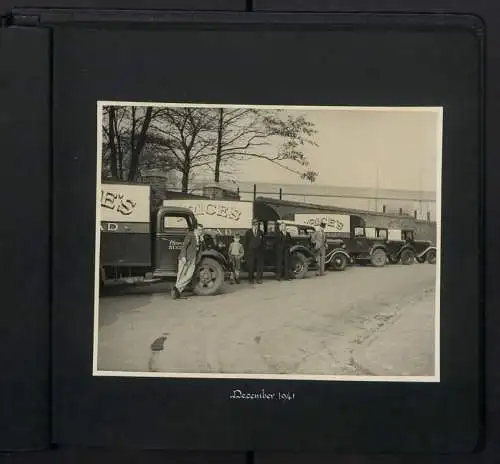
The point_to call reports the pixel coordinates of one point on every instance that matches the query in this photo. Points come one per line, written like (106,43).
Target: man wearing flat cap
(253,242)
(319,240)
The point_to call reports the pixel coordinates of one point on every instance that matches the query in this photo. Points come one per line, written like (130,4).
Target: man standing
(236,253)
(188,260)
(254,252)
(283,244)
(319,240)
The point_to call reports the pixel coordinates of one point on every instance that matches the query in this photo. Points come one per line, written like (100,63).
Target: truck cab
(402,247)
(172,226)
(301,250)
(367,245)
(423,250)
(155,250)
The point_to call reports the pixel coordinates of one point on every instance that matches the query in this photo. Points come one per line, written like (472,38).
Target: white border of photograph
(325,377)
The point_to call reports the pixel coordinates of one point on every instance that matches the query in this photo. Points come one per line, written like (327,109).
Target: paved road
(318,325)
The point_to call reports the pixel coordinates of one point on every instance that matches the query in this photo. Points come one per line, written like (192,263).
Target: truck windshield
(382,233)
(359,232)
(177,223)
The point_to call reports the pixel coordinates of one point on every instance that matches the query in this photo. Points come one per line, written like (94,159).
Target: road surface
(333,325)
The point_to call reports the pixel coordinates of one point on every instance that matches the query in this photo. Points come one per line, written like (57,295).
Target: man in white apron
(188,260)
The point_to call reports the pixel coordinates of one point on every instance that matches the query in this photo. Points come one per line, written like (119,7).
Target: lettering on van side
(126,227)
(109,227)
(331,223)
(117,202)
(220,210)
(174,245)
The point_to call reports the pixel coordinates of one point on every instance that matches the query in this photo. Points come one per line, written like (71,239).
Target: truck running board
(164,273)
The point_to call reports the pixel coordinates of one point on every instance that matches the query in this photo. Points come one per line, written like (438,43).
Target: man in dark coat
(283,245)
(253,242)
(319,240)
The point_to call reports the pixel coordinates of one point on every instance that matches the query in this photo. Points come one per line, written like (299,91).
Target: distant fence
(379,204)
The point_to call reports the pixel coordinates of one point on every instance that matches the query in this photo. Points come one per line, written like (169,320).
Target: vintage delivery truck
(138,242)
(224,218)
(372,245)
(336,258)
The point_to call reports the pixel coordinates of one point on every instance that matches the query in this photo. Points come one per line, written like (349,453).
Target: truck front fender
(423,253)
(337,251)
(215,254)
(303,250)
(378,247)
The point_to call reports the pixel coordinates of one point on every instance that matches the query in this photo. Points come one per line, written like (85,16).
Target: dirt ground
(363,321)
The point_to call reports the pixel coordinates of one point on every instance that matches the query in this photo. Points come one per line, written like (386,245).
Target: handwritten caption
(261,395)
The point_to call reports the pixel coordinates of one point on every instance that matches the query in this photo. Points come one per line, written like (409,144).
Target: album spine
(237,17)
(25,238)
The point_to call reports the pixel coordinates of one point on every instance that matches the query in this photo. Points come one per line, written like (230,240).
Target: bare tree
(190,139)
(187,136)
(126,132)
(138,139)
(111,141)
(247,134)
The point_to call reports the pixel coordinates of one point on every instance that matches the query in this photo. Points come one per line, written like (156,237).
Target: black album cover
(261,237)
(26,133)
(25,333)
(209,182)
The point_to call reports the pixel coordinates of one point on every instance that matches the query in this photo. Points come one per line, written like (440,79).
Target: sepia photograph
(267,242)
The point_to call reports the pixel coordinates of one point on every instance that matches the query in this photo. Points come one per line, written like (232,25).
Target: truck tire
(300,265)
(421,259)
(339,262)
(407,257)
(378,258)
(209,277)
(431,257)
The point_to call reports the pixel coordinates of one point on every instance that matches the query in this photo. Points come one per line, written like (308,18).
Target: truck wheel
(300,266)
(407,257)
(431,257)
(378,258)
(209,277)
(339,262)
(420,259)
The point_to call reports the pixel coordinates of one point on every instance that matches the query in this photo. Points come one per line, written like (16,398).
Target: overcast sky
(403,146)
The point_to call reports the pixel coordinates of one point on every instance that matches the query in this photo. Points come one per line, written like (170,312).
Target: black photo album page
(263,231)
